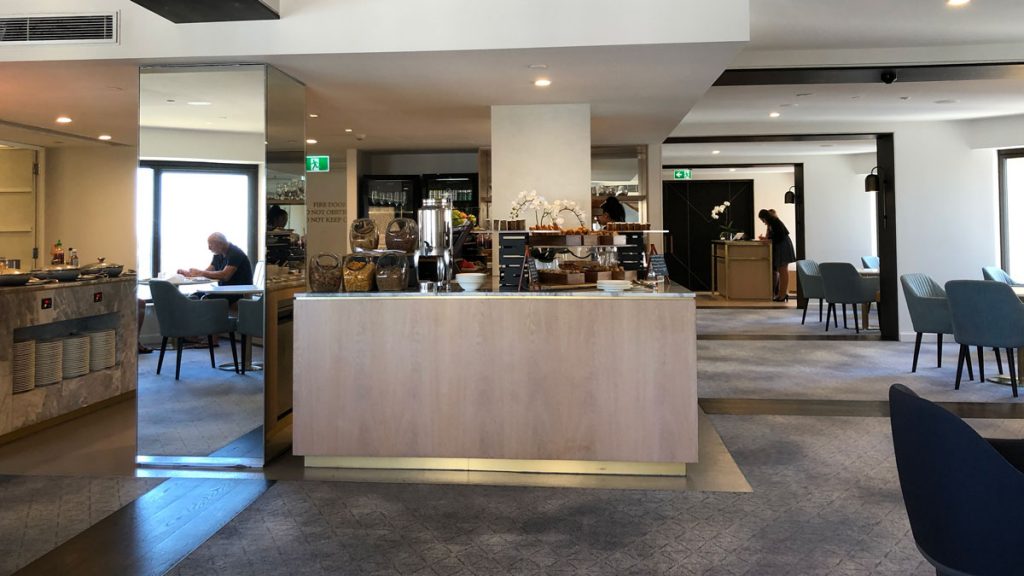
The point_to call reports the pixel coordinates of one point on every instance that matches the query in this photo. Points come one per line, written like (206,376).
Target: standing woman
(782,252)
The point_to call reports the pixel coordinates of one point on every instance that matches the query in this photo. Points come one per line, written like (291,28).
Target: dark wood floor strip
(870,336)
(155,532)
(863,408)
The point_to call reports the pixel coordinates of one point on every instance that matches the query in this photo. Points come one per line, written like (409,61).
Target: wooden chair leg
(244,359)
(234,351)
(981,364)
(177,364)
(938,349)
(999,360)
(209,341)
(960,367)
(917,350)
(1012,362)
(160,362)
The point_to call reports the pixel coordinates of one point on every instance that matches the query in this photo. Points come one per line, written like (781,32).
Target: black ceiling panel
(191,11)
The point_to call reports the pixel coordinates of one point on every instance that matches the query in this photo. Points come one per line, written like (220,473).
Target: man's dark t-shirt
(238,259)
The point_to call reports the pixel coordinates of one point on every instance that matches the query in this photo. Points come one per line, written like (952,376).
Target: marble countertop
(58,285)
(674,291)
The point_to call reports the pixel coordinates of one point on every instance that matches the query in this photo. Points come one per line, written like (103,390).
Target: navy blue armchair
(964,495)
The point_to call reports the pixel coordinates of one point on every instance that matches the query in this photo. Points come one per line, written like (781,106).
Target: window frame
(1004,215)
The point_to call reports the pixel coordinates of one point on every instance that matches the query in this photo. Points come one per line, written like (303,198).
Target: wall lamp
(872,183)
(790,197)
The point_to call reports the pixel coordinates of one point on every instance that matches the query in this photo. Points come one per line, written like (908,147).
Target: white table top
(242,289)
(868,271)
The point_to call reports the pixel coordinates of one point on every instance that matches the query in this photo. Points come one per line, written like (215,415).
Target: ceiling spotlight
(199,103)
(314,115)
(956,3)
(716,151)
(774,115)
(104,137)
(310,141)
(732,169)
(348,130)
(170,100)
(542,82)
(63,120)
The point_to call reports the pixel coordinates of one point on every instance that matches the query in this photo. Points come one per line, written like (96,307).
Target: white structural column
(544,148)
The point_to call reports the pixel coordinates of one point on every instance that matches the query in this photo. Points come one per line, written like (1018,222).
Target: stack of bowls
(471,281)
(49,360)
(24,366)
(614,285)
(75,357)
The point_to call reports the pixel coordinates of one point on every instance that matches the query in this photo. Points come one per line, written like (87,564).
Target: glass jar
(402,234)
(363,235)
(325,273)
(392,271)
(358,272)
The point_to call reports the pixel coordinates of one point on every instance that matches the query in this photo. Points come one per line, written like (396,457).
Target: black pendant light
(872,183)
(790,197)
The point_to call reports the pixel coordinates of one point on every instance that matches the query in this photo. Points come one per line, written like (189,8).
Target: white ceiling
(231,91)
(729,151)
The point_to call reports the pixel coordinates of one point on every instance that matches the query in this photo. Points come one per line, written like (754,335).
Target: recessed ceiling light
(957,2)
(170,100)
(314,115)
(802,94)
(348,129)
(542,82)
(732,169)
(904,98)
(63,120)
(947,101)
(716,151)
(826,145)
(787,105)
(774,114)
(854,97)
(538,66)
(310,141)
(199,103)
(104,137)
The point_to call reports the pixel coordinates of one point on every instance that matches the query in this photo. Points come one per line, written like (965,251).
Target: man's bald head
(218,243)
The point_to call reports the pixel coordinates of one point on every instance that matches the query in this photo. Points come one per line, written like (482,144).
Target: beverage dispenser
(434,259)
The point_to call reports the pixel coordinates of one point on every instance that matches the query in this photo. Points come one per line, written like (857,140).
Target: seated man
(229,267)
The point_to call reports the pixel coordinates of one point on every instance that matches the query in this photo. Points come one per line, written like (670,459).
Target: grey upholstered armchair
(869,261)
(181,317)
(929,311)
(985,314)
(844,285)
(250,324)
(997,274)
(809,277)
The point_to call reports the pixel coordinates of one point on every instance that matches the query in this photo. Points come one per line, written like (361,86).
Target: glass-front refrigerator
(384,198)
(463,189)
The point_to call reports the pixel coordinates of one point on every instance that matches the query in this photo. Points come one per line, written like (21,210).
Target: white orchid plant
(528,201)
(553,210)
(720,211)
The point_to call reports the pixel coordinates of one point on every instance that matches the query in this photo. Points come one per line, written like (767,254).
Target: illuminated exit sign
(318,163)
(682,174)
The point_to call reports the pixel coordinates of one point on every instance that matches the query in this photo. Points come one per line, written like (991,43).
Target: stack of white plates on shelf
(614,285)
(75,359)
(49,357)
(24,366)
(102,349)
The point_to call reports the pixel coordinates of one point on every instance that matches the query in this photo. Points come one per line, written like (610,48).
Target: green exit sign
(682,174)
(318,163)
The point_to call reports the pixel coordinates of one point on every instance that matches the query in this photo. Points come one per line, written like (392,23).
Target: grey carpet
(779,322)
(39,513)
(200,413)
(826,501)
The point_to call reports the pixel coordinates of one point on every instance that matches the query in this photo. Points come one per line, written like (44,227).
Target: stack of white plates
(614,285)
(24,366)
(75,359)
(102,349)
(49,356)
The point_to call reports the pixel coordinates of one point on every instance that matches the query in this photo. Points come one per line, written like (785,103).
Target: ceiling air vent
(59,29)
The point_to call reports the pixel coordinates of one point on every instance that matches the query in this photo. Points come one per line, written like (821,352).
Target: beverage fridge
(384,198)
(461,189)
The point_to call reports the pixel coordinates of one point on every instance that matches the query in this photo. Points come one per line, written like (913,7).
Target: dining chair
(929,311)
(250,325)
(997,274)
(844,285)
(986,314)
(809,277)
(869,261)
(964,495)
(181,317)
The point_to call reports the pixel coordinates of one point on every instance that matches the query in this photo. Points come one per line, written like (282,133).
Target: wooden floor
(711,300)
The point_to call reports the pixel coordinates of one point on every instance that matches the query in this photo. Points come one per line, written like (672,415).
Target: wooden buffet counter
(581,382)
(742,270)
(51,311)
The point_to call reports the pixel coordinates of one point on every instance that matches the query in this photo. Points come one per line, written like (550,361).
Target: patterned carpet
(825,501)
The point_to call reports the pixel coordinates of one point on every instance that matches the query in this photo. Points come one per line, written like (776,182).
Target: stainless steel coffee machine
(434,259)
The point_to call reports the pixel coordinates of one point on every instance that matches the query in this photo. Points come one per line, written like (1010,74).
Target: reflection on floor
(203,411)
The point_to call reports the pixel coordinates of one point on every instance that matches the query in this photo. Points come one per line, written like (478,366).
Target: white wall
(402,164)
(202,145)
(324,27)
(1001,132)
(90,202)
(542,148)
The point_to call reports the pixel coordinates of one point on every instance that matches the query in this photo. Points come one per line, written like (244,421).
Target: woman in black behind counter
(782,252)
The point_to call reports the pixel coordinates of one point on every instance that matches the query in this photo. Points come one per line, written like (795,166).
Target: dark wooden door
(687,208)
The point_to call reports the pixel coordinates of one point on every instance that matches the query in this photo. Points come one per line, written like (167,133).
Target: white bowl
(470,281)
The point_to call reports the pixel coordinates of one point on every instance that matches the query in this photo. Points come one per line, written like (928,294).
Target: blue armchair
(985,313)
(844,285)
(181,317)
(809,277)
(964,495)
(997,274)
(929,311)
(869,261)
(250,324)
